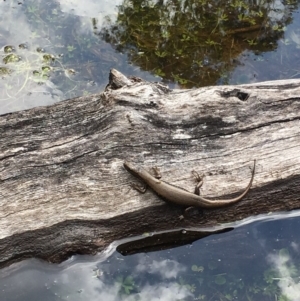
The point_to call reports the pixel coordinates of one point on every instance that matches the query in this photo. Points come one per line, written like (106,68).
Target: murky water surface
(255,261)
(55,50)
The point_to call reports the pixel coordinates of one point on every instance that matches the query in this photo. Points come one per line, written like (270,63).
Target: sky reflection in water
(257,260)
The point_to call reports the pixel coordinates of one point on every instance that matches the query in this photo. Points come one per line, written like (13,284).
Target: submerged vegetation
(54,56)
(191,42)
(213,280)
(195,42)
(25,66)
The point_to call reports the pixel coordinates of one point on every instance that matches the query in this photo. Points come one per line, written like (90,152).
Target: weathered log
(63,188)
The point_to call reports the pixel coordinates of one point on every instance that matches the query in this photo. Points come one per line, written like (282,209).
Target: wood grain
(63,189)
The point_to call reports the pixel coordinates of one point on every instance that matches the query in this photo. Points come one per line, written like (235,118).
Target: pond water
(258,260)
(55,50)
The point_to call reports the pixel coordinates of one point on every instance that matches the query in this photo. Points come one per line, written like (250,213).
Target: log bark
(63,188)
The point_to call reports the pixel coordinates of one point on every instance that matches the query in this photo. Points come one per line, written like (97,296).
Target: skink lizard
(179,195)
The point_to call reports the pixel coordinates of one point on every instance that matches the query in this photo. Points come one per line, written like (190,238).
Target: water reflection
(256,261)
(183,43)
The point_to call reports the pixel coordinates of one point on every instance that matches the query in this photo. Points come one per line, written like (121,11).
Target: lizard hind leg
(141,189)
(199,179)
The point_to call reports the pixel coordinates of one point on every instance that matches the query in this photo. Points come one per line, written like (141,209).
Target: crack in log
(65,143)
(280,100)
